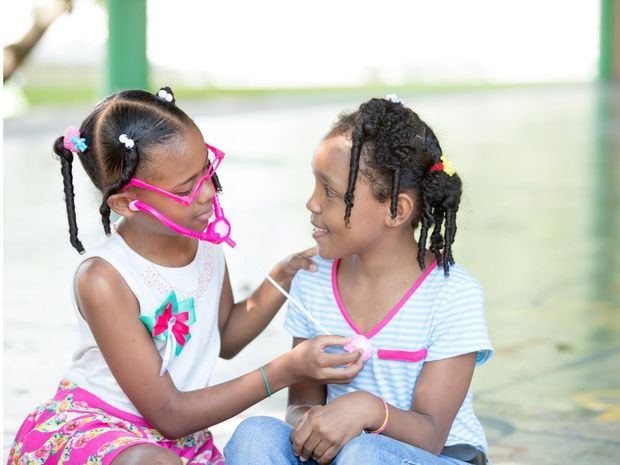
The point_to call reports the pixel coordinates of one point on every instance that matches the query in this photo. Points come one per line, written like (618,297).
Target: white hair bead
(393,98)
(123,139)
(165,95)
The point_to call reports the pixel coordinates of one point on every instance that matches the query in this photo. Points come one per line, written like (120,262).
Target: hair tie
(123,139)
(393,98)
(444,165)
(436,167)
(72,140)
(165,95)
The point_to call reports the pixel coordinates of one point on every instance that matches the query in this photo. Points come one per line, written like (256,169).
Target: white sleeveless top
(152,284)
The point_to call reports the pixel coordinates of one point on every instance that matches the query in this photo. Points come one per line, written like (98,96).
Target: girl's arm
(438,395)
(241,322)
(111,310)
(303,396)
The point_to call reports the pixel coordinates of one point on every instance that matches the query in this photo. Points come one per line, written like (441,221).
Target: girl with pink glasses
(154,302)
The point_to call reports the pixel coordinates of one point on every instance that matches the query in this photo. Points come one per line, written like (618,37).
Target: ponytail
(66,160)
(440,195)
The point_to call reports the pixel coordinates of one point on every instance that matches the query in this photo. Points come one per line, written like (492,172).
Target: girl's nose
(206,192)
(312,203)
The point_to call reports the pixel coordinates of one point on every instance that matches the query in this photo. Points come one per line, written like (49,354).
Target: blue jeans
(265,441)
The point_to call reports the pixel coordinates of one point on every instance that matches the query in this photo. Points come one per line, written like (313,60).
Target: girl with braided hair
(380,175)
(154,304)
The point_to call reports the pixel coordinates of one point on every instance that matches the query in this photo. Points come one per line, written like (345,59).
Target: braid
(66,159)
(436,237)
(450,232)
(427,220)
(217,183)
(356,151)
(129,166)
(395,190)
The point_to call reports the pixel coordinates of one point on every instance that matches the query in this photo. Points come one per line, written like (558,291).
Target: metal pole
(606,46)
(127,62)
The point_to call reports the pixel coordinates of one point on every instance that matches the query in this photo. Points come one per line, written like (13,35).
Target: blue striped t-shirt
(437,318)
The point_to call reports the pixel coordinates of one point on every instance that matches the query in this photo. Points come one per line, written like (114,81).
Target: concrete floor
(539,226)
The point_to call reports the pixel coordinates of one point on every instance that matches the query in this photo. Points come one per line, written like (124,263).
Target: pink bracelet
(387,416)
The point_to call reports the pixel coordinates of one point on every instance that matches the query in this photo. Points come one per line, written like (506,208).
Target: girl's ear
(119,203)
(405,205)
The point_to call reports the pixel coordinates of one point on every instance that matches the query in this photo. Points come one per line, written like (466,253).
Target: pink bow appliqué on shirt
(171,323)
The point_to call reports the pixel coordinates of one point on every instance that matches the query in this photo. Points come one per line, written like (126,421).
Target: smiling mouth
(205,215)
(318,232)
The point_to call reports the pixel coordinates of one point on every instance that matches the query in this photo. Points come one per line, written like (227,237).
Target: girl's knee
(147,455)
(257,433)
(357,450)
(260,426)
(360,449)
(375,449)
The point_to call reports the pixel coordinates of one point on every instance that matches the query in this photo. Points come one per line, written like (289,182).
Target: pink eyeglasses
(215,159)
(217,231)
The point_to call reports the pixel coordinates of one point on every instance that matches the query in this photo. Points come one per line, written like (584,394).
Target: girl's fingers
(300,420)
(326,341)
(300,435)
(308,448)
(298,424)
(298,262)
(343,375)
(328,456)
(302,260)
(334,360)
(320,449)
(311,252)
(309,265)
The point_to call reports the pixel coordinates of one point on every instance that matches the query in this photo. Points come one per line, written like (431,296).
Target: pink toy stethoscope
(218,231)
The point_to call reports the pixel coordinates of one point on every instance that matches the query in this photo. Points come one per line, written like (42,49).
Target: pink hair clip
(72,140)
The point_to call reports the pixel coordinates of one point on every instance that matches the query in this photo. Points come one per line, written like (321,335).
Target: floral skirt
(76,427)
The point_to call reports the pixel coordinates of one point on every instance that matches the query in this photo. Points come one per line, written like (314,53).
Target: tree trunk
(15,54)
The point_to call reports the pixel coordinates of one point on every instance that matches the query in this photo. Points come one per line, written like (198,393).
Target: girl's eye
(329,192)
(184,194)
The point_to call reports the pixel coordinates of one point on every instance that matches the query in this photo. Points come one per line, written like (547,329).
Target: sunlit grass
(38,95)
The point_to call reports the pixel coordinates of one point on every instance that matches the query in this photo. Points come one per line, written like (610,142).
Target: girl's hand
(284,272)
(308,361)
(323,431)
